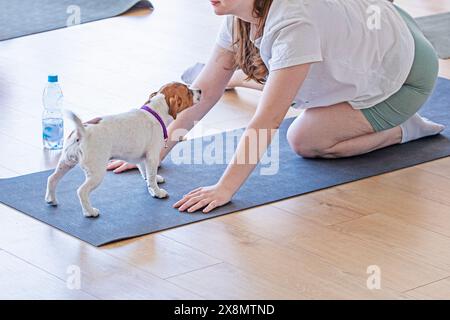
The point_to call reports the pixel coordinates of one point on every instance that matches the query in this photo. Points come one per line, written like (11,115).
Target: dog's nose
(197,95)
(195,90)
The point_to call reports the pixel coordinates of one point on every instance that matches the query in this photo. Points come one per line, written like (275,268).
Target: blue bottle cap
(53,78)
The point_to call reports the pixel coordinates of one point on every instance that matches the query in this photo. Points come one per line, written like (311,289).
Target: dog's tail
(78,123)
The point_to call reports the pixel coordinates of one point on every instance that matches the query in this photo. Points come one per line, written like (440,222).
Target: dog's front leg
(63,167)
(151,168)
(141,167)
(93,180)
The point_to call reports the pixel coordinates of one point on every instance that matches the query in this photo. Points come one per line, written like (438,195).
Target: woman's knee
(300,143)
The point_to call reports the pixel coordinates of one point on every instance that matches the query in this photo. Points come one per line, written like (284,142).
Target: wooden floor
(318,245)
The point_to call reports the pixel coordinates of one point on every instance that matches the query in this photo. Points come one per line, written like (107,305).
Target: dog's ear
(174,105)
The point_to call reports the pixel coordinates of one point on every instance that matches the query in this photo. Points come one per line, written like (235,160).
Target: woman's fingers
(187,197)
(114,164)
(124,167)
(180,202)
(198,205)
(207,198)
(210,206)
(119,166)
(190,203)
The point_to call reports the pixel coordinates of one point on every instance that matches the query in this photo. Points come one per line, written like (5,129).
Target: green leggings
(418,86)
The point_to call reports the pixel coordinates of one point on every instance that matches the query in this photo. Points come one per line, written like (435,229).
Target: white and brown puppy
(136,136)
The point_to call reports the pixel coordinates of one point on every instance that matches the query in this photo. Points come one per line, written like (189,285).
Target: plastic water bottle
(52,117)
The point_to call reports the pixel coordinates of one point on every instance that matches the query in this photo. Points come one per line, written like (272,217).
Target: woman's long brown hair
(247,55)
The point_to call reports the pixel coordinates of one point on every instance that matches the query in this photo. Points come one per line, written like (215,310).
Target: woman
(360,68)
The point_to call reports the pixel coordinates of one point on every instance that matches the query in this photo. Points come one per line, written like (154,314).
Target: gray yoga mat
(127,210)
(437,29)
(23,17)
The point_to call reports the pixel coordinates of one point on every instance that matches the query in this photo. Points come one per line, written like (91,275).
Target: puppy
(136,136)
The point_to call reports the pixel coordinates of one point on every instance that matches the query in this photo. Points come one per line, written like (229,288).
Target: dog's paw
(159,179)
(160,193)
(53,203)
(94,213)
(51,200)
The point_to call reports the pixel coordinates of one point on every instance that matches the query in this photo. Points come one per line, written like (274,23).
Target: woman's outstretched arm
(279,92)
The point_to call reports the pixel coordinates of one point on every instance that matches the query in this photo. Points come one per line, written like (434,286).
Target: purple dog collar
(149,110)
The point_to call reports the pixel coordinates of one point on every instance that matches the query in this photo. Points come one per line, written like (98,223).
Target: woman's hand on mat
(208,198)
(119,166)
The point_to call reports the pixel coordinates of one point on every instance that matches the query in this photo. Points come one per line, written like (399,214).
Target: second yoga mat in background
(436,29)
(23,17)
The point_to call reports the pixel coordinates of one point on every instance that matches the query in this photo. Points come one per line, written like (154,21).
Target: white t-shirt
(353,58)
